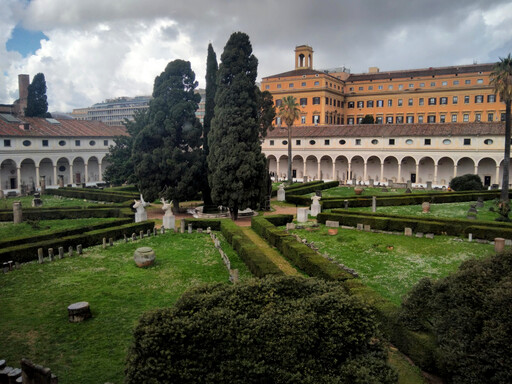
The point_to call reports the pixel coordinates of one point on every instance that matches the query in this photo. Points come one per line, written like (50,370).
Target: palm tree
(501,80)
(289,111)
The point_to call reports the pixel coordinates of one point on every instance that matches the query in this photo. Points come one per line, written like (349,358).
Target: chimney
(373,70)
(23,83)
(25,126)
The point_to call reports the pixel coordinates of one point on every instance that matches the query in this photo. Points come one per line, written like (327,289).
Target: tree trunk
(234,212)
(176,206)
(506,159)
(290,160)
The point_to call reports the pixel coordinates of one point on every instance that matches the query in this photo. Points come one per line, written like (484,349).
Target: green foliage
(470,313)
(289,110)
(467,182)
(235,161)
(368,119)
(37,103)
(166,152)
(279,330)
(266,111)
(95,194)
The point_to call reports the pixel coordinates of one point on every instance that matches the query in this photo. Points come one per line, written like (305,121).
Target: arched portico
(272,165)
(465,166)
(9,174)
(341,168)
(357,168)
(445,170)
(487,171)
(373,168)
(311,168)
(29,174)
(298,166)
(407,170)
(79,171)
(64,169)
(426,170)
(326,168)
(390,169)
(46,169)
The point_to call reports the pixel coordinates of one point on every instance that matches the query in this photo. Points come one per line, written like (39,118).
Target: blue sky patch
(24,41)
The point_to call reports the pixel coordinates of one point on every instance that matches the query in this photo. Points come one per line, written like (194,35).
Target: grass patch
(447,210)
(34,300)
(407,373)
(349,192)
(391,264)
(49,201)
(27,228)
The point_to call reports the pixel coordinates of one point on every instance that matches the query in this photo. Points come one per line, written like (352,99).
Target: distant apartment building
(114,112)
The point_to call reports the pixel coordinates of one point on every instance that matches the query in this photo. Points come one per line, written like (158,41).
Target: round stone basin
(144,257)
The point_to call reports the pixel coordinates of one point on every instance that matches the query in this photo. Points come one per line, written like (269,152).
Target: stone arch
(465,165)
(373,168)
(272,166)
(311,167)
(407,169)
(341,168)
(63,170)
(298,166)
(8,174)
(390,169)
(426,170)
(357,168)
(93,169)
(283,167)
(326,168)
(445,169)
(487,171)
(28,174)
(46,170)
(501,173)
(78,175)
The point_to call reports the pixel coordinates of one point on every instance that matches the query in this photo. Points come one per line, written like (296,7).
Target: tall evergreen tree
(37,103)
(237,166)
(266,111)
(209,111)
(166,152)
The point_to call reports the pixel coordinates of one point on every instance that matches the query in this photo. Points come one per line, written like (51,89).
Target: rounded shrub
(271,330)
(466,182)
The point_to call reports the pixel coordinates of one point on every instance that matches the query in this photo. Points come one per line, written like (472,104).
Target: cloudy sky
(91,50)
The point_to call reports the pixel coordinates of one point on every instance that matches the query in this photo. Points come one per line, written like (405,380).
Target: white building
(73,150)
(398,153)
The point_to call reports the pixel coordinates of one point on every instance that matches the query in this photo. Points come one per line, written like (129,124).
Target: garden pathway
(272,254)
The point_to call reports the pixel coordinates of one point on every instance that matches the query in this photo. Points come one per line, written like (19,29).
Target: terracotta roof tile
(299,73)
(67,128)
(392,130)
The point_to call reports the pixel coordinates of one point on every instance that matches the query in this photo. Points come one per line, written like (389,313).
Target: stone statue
(140,206)
(315,207)
(169,220)
(167,207)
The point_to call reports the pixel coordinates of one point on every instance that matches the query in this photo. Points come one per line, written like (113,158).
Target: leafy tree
(166,152)
(368,119)
(37,103)
(235,161)
(501,80)
(121,167)
(289,112)
(470,314)
(273,330)
(466,182)
(266,111)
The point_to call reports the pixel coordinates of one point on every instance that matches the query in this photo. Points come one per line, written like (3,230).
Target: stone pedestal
(302,215)
(42,181)
(371,182)
(409,184)
(169,222)
(429,185)
(305,179)
(78,312)
(281,194)
(16,211)
(499,245)
(316,208)
(425,206)
(374,204)
(141,216)
(182,226)
(144,257)
(61,181)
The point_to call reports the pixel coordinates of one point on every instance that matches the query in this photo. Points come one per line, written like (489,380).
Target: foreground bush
(273,330)
(466,182)
(470,312)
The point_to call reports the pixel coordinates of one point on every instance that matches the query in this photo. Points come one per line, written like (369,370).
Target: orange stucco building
(431,95)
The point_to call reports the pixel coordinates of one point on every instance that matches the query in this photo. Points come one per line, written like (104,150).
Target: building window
(358,141)
(290,85)
(411,85)
(467,141)
(390,103)
(380,87)
(480,81)
(444,83)
(443,100)
(303,119)
(410,102)
(410,119)
(351,104)
(45,143)
(455,82)
(92,143)
(399,119)
(359,120)
(342,142)
(490,117)
(479,99)
(442,118)
(350,121)
(370,88)
(360,104)
(431,119)
(303,101)
(326,101)
(267,86)
(478,117)
(389,119)
(26,143)
(408,141)
(491,98)
(378,120)
(278,86)
(351,89)
(285,142)
(454,118)
(316,119)
(312,142)
(447,141)
(279,102)
(488,141)
(422,85)
(375,141)
(467,82)
(421,101)
(455,99)
(431,101)
(369,104)
(400,102)
(303,84)
(316,100)
(327,142)
(317,83)
(390,87)
(62,143)
(297,142)
(77,143)
(361,88)
(502,118)
(400,86)
(466,99)
(380,103)
(427,142)
(278,121)
(271,142)
(7,142)
(62,168)
(465,117)
(420,119)
(391,142)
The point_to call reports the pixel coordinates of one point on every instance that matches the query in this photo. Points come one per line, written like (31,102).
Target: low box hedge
(13,241)
(28,252)
(214,224)
(300,185)
(94,194)
(67,213)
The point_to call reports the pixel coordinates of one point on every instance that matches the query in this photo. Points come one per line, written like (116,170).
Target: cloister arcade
(17,171)
(384,168)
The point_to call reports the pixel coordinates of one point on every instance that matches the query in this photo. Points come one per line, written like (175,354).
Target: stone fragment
(429,235)
(499,244)
(360,227)
(408,232)
(40,257)
(332,223)
(302,215)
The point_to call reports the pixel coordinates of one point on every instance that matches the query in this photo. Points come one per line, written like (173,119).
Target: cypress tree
(37,103)
(166,152)
(237,166)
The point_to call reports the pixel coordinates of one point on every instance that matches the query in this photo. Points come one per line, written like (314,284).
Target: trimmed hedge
(67,213)
(315,187)
(301,185)
(214,224)
(94,194)
(299,254)
(28,252)
(13,241)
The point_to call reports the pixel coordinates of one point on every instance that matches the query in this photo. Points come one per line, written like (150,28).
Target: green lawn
(34,300)
(448,210)
(8,229)
(49,201)
(349,192)
(393,264)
